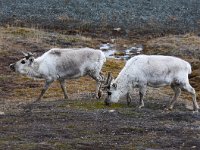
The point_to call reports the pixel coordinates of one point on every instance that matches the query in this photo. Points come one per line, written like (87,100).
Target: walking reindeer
(62,64)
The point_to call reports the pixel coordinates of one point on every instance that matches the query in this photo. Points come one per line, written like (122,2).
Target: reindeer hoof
(168,109)
(98,95)
(66,97)
(195,111)
(128,103)
(107,104)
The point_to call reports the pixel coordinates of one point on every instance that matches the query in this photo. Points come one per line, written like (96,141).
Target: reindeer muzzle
(12,67)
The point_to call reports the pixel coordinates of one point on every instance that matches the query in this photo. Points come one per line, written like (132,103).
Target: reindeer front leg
(63,86)
(142,92)
(128,98)
(46,86)
(99,78)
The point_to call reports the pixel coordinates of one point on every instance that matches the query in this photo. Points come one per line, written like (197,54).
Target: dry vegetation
(58,124)
(14,40)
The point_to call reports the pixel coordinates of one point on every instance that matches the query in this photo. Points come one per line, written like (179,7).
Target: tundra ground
(82,122)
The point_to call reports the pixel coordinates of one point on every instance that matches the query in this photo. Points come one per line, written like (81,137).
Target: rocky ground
(88,124)
(133,16)
(82,122)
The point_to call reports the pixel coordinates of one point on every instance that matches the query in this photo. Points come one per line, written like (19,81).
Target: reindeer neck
(33,70)
(122,85)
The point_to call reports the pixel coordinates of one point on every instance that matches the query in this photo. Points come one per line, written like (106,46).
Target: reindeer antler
(27,55)
(108,80)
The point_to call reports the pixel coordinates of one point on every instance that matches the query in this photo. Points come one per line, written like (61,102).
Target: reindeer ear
(30,54)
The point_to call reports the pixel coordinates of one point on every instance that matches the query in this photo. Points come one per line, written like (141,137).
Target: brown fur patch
(57,53)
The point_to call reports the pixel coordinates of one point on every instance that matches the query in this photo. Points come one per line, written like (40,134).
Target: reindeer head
(23,64)
(110,88)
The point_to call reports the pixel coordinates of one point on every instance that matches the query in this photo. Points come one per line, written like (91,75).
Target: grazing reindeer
(155,71)
(61,64)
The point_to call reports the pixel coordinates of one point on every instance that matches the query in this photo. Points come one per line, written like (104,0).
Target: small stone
(113,40)
(112,110)
(119,53)
(2,113)
(117,29)
(193,146)
(106,46)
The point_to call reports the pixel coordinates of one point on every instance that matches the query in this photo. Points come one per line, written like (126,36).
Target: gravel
(130,15)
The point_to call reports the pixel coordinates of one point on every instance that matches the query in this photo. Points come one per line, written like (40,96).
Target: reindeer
(154,71)
(62,64)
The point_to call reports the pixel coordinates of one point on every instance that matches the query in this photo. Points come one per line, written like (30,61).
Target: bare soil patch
(88,124)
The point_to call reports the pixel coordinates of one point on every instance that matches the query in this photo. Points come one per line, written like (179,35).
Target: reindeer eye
(23,62)
(114,85)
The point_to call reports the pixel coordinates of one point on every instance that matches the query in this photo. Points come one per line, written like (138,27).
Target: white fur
(61,64)
(152,70)
(46,64)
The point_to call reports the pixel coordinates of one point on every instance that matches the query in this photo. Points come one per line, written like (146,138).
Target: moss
(130,112)
(70,126)
(62,146)
(87,105)
(27,146)
(91,105)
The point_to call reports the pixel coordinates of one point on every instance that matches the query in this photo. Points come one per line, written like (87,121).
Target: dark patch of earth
(60,125)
